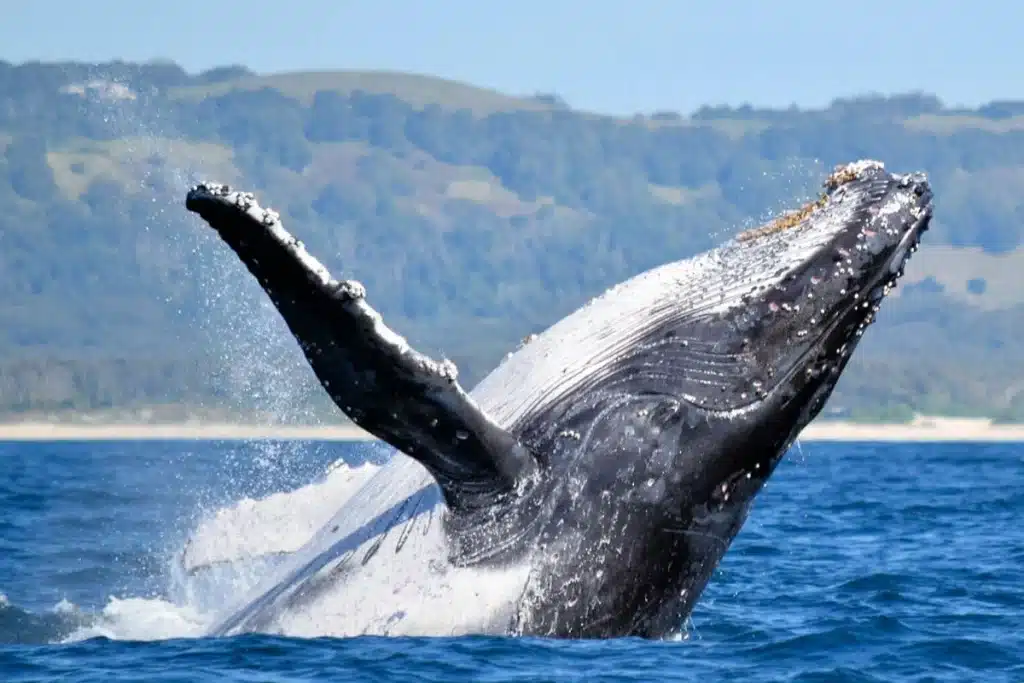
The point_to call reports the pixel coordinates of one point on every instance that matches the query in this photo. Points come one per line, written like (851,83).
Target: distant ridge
(417,89)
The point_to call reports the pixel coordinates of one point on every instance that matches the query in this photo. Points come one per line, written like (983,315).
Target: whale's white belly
(406,587)
(380,567)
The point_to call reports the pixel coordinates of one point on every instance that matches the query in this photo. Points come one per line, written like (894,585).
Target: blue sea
(860,562)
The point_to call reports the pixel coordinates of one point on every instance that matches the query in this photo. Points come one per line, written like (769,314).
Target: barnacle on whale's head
(841,175)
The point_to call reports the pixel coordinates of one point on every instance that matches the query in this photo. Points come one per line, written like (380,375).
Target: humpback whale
(589,486)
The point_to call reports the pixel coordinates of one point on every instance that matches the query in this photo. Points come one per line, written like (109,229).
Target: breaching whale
(588,486)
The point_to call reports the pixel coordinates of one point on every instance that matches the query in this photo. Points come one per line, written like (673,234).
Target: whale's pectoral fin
(389,389)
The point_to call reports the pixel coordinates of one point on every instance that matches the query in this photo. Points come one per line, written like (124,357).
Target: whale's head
(816,278)
(753,335)
(728,354)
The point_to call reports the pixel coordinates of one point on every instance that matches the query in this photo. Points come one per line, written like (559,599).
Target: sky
(599,55)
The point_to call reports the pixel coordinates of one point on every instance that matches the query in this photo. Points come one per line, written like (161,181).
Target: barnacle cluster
(849,172)
(840,176)
(788,220)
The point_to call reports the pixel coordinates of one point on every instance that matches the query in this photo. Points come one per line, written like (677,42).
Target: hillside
(473,217)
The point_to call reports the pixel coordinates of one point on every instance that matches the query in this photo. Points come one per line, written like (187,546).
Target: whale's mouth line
(908,243)
(877,289)
(904,248)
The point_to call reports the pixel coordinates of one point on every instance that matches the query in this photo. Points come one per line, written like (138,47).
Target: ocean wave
(24,627)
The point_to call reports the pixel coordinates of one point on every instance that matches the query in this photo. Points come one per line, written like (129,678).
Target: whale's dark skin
(618,454)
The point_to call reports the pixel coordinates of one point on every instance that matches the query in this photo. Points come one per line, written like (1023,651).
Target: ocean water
(860,562)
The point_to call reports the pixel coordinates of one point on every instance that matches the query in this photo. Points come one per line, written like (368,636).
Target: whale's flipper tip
(384,385)
(208,195)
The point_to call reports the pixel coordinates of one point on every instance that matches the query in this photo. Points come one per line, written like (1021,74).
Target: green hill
(473,217)
(418,90)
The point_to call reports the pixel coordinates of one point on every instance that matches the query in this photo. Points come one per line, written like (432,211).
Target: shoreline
(922,428)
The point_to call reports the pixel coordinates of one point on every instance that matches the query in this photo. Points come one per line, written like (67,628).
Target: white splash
(280,523)
(143,619)
(225,556)
(236,552)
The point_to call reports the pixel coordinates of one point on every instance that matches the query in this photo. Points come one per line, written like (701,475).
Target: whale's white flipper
(389,389)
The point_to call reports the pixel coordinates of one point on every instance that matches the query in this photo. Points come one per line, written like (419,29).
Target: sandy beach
(44,431)
(921,429)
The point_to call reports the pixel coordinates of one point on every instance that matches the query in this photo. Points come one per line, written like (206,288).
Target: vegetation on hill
(474,218)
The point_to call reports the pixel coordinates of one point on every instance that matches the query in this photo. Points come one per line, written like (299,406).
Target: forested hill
(473,217)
